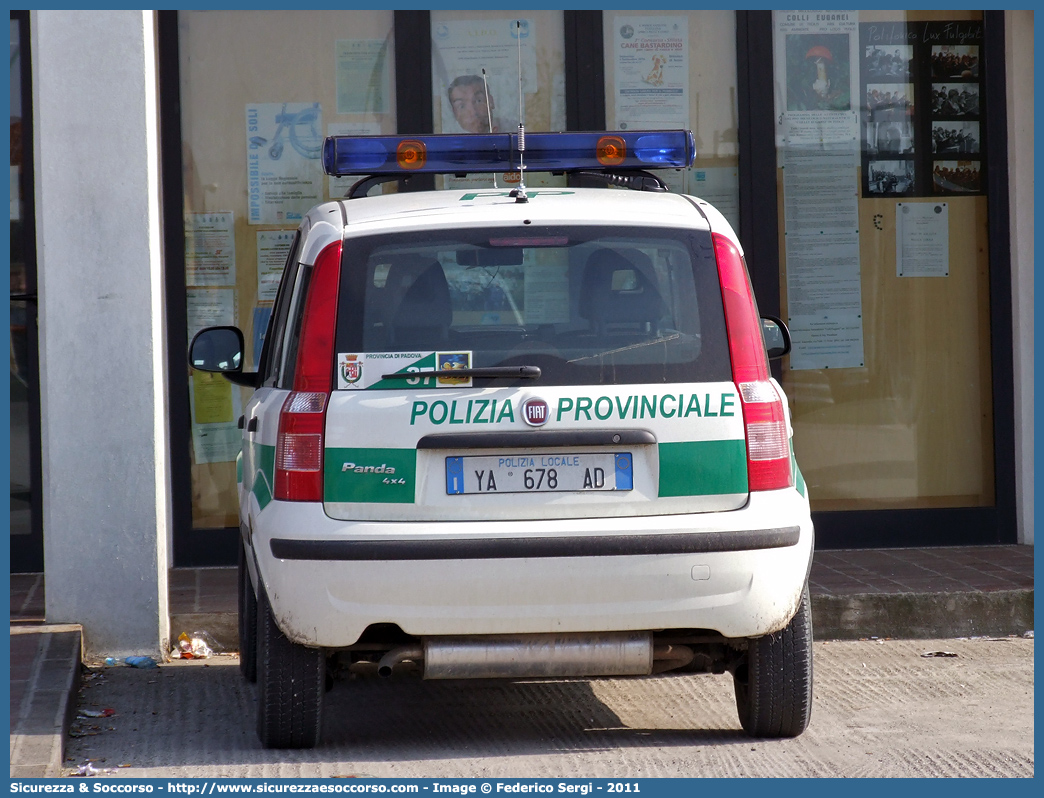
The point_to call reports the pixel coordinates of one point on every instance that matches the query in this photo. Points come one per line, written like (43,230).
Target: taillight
(768,448)
(302,421)
(299,448)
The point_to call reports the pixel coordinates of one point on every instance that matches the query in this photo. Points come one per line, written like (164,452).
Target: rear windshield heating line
(516,548)
(534,439)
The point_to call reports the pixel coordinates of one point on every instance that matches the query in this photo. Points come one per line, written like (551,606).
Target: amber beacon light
(611,150)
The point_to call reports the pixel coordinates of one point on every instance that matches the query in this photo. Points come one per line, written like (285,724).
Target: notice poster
(921,94)
(719,185)
(362,76)
(210,248)
(215,408)
(816,65)
(465,51)
(272,248)
(824,290)
(284,173)
(209,307)
(651,72)
(922,239)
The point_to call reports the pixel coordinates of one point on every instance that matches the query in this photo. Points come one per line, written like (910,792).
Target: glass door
(881,159)
(26,522)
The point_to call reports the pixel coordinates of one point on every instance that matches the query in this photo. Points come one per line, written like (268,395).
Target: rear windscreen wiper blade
(491,372)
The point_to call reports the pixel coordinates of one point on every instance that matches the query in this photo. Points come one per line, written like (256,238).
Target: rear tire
(291,682)
(774,686)
(247,621)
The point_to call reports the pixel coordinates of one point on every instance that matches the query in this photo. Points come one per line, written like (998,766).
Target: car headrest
(618,289)
(426,302)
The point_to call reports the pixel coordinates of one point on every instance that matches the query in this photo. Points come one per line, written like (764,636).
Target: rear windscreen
(585,305)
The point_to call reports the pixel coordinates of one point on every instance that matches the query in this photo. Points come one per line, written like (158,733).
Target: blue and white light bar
(498,152)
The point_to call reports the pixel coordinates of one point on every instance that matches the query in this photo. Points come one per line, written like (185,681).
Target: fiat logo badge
(535,412)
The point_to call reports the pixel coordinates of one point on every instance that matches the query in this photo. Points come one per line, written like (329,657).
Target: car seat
(618,297)
(424,311)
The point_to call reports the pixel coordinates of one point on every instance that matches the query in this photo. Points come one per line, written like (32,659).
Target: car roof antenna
(489,116)
(520,193)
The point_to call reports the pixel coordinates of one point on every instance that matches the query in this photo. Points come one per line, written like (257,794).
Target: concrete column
(106,485)
(1019,69)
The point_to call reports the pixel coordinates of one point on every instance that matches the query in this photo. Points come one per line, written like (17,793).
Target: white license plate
(539,473)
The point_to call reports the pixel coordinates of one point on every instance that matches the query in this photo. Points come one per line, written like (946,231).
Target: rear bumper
(739,573)
(621,545)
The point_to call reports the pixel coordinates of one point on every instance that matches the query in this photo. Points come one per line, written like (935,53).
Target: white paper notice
(210,249)
(209,307)
(362,76)
(820,191)
(284,176)
(651,63)
(922,239)
(272,249)
(824,292)
(719,185)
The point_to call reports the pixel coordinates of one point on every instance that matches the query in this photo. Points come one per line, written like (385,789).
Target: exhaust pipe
(667,657)
(528,656)
(397,656)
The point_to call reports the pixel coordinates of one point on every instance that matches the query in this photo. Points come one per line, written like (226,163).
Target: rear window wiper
(490,372)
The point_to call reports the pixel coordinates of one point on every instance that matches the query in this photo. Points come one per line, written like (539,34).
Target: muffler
(528,656)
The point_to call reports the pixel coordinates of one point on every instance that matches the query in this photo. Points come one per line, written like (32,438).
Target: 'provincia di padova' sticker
(391,371)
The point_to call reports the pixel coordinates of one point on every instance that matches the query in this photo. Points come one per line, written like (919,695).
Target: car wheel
(247,621)
(291,682)
(774,685)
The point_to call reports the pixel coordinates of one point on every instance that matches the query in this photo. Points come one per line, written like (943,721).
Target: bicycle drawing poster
(284,172)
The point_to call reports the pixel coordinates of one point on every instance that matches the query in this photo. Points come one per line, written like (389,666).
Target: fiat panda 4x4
(518,433)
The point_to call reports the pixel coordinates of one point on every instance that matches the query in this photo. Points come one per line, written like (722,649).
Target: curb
(915,616)
(39,731)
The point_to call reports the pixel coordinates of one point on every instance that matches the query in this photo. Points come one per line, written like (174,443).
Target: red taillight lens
(315,349)
(302,421)
(768,447)
(749,361)
(299,448)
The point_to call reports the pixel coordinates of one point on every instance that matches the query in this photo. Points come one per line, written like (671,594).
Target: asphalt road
(881,709)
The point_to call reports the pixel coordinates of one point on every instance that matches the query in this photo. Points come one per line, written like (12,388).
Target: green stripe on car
(703,468)
(388,476)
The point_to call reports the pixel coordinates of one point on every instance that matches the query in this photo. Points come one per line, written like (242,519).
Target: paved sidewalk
(886,593)
(45,675)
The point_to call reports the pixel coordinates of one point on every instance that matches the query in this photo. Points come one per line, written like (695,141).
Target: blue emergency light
(484,153)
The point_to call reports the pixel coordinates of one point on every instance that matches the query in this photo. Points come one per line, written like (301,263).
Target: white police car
(518,433)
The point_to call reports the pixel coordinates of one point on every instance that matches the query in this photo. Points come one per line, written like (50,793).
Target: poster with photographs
(921,98)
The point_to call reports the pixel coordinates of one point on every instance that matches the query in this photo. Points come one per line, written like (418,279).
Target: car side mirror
(217,349)
(776,337)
